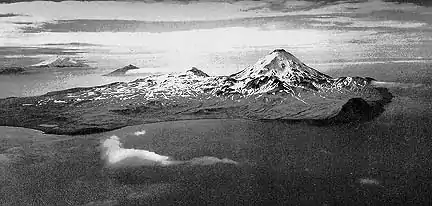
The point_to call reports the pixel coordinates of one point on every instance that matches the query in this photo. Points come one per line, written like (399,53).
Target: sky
(172,36)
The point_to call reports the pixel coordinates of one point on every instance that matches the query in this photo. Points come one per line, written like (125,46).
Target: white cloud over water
(138,133)
(369,181)
(116,156)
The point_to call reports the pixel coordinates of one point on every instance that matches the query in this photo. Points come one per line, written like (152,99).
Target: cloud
(176,51)
(138,133)
(127,10)
(396,84)
(321,31)
(347,22)
(117,157)
(206,160)
(368,181)
(418,2)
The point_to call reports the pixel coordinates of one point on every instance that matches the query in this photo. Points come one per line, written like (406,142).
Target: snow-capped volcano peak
(123,70)
(282,64)
(59,62)
(196,72)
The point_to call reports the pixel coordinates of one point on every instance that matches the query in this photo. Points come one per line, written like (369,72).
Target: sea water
(235,162)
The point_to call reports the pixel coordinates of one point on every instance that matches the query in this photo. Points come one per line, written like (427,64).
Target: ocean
(383,161)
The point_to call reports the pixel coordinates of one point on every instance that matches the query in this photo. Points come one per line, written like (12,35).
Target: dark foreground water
(382,162)
(385,161)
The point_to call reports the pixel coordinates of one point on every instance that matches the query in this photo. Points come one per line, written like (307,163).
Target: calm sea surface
(386,160)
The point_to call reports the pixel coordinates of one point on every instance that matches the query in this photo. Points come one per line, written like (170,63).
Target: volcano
(279,87)
(60,62)
(123,70)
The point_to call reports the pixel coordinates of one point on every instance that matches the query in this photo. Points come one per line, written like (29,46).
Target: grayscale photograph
(215,102)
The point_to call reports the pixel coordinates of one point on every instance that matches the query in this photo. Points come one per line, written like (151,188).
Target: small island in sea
(60,62)
(123,70)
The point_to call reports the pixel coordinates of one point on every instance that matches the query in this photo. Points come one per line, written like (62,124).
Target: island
(53,63)
(279,87)
(11,70)
(122,71)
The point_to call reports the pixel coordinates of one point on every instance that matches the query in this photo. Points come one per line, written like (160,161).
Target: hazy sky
(173,36)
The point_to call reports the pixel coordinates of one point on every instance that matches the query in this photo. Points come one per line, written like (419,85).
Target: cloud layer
(117,157)
(317,32)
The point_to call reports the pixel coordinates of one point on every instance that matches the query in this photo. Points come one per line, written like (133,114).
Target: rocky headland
(278,87)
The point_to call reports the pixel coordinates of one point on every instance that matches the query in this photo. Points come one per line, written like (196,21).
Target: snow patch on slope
(59,62)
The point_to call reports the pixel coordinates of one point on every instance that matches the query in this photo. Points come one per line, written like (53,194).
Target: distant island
(12,70)
(122,71)
(56,62)
(60,62)
(279,87)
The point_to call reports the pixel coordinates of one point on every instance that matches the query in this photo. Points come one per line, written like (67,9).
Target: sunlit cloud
(389,23)
(359,7)
(179,50)
(138,133)
(397,84)
(369,181)
(366,23)
(116,156)
(163,11)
